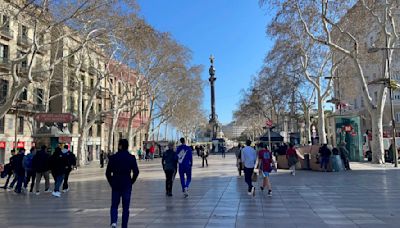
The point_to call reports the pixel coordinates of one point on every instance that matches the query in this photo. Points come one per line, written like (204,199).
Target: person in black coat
(18,169)
(40,164)
(170,164)
(9,169)
(71,164)
(58,166)
(122,172)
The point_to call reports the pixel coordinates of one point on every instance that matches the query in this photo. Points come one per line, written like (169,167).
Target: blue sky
(232,30)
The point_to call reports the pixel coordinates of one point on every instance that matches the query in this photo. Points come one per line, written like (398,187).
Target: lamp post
(388,82)
(213,118)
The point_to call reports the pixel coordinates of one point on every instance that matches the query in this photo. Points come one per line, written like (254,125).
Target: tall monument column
(213,118)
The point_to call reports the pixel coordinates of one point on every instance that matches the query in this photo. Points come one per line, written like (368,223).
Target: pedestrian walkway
(218,198)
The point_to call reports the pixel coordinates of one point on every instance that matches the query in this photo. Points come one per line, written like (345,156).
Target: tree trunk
(110,144)
(377,137)
(81,153)
(307,126)
(321,120)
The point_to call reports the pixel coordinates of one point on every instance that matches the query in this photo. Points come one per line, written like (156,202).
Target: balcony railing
(22,69)
(43,48)
(7,33)
(24,41)
(29,107)
(5,63)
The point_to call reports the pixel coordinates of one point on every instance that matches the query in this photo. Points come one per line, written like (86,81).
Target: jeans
(46,177)
(57,182)
(324,162)
(30,176)
(66,176)
(188,173)
(248,172)
(20,181)
(169,175)
(116,196)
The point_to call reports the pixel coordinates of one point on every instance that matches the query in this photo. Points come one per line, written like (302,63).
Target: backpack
(28,162)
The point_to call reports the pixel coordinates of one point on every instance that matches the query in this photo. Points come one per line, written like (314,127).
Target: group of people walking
(38,164)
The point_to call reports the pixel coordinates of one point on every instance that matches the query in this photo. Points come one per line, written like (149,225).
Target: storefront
(348,130)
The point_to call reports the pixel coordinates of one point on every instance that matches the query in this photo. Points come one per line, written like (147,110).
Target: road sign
(54,117)
(268,123)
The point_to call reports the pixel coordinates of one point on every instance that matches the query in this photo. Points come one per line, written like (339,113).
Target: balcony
(6,33)
(24,41)
(43,48)
(84,67)
(5,64)
(26,106)
(73,85)
(39,74)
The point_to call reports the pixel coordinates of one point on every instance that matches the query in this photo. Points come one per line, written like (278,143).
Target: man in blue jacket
(122,172)
(185,160)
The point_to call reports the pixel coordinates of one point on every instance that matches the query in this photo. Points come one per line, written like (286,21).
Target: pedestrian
(223,150)
(19,170)
(8,167)
(293,158)
(185,166)
(58,165)
(40,163)
(147,149)
(152,150)
(71,164)
(170,164)
(139,153)
(204,155)
(325,154)
(197,148)
(102,157)
(30,173)
(265,160)
(345,155)
(249,158)
(239,163)
(122,172)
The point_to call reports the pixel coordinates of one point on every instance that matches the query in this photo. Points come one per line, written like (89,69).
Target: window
(98,130)
(20,125)
(71,105)
(355,104)
(24,63)
(5,22)
(39,96)
(134,141)
(92,83)
(2,125)
(91,131)
(362,102)
(3,90)
(397,117)
(23,31)
(376,96)
(4,53)
(99,105)
(23,95)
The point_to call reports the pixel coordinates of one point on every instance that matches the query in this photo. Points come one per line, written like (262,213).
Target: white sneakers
(47,190)
(66,190)
(56,194)
(114,225)
(37,193)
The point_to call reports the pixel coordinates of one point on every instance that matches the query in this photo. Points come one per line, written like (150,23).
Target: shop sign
(2,145)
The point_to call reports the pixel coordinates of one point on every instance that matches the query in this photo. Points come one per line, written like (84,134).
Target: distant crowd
(29,168)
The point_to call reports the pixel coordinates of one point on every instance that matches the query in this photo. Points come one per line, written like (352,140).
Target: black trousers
(205,159)
(169,175)
(30,176)
(66,176)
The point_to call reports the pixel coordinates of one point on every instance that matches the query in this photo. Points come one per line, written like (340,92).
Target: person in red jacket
(291,155)
(152,151)
(265,161)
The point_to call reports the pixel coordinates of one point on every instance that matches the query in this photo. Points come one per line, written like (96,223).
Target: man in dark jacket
(19,170)
(170,165)
(58,166)
(122,172)
(325,154)
(40,163)
(345,155)
(10,171)
(71,163)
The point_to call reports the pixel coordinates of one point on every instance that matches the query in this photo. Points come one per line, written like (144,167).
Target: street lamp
(391,85)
